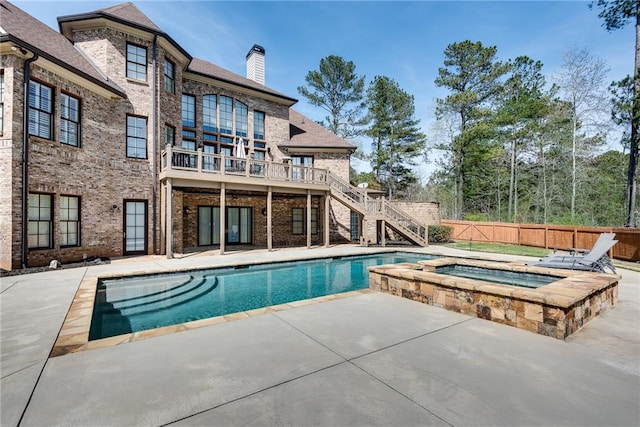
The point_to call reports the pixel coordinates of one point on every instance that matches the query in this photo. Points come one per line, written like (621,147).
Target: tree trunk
(632,173)
(512,178)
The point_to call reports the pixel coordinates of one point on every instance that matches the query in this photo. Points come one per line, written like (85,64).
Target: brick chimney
(255,64)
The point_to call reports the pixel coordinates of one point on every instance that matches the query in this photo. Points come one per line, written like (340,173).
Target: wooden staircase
(356,199)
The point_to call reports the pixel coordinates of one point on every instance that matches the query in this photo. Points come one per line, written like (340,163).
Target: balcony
(196,168)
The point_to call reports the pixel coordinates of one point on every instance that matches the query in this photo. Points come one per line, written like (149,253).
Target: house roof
(25,31)
(305,133)
(202,67)
(128,14)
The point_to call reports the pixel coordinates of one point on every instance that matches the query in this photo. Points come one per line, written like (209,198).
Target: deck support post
(223,216)
(327,224)
(308,219)
(169,221)
(269,219)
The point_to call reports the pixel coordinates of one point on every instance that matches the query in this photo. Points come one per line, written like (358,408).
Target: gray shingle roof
(26,31)
(203,67)
(129,12)
(305,133)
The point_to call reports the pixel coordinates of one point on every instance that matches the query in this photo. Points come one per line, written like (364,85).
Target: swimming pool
(138,303)
(505,277)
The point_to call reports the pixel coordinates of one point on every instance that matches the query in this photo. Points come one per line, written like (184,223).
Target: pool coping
(74,333)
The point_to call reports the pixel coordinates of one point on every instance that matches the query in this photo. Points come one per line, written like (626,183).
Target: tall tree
(337,89)
(474,76)
(524,104)
(397,140)
(616,14)
(582,85)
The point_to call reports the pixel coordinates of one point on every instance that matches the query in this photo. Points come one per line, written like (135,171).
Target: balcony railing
(180,159)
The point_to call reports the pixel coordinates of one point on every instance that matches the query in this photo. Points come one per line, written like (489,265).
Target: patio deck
(369,359)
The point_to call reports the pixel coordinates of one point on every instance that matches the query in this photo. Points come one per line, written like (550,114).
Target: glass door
(208,225)
(239,225)
(135,227)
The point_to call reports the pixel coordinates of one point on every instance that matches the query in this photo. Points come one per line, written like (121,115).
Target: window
(136,62)
(209,162)
(1,101)
(69,221)
(169,135)
(355,226)
(137,137)
(69,120)
(40,110)
(209,107)
(39,229)
(258,125)
(208,225)
(189,139)
(242,119)
(188,111)
(299,221)
(314,221)
(226,115)
(239,225)
(300,163)
(169,76)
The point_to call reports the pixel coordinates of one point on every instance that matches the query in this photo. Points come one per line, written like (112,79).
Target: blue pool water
(505,277)
(133,304)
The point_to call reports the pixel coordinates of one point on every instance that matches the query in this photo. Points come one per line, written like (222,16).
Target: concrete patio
(370,359)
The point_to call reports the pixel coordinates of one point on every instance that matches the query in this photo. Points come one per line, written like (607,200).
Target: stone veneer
(556,310)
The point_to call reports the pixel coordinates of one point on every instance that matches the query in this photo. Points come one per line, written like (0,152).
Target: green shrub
(440,233)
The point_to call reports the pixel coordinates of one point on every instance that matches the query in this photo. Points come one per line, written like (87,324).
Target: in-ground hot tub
(557,309)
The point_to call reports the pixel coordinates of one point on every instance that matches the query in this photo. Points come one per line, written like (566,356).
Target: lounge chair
(595,260)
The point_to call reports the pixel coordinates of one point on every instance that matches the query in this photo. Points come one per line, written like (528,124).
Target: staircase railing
(359,201)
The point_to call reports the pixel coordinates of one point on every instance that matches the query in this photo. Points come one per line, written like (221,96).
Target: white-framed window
(69,221)
(69,120)
(40,110)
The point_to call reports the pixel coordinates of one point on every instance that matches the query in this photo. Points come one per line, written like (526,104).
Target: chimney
(255,64)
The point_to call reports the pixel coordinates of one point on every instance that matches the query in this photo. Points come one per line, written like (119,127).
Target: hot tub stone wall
(547,313)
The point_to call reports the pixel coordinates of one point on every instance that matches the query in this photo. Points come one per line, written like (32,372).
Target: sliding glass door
(239,227)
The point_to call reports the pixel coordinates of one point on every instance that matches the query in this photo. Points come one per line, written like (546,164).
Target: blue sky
(401,40)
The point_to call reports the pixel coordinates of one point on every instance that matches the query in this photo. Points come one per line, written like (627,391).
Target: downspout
(154,185)
(25,160)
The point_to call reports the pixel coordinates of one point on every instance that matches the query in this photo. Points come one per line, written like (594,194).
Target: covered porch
(216,201)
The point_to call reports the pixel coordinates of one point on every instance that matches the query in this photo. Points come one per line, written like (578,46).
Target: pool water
(133,304)
(505,277)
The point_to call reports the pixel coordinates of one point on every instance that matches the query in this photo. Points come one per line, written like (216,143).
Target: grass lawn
(500,248)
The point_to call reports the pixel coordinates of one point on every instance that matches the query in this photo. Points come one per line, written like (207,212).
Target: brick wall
(186,225)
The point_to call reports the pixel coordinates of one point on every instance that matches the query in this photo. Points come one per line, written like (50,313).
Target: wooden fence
(547,236)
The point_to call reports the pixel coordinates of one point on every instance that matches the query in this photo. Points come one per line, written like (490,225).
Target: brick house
(115,141)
